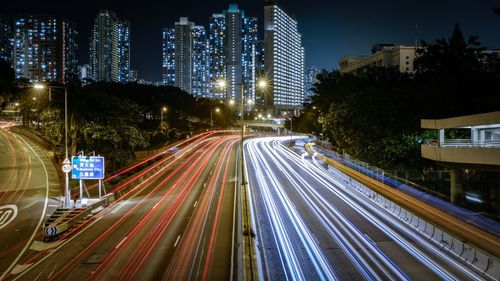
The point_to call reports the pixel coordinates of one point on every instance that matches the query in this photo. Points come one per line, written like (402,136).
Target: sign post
(87,168)
(66,168)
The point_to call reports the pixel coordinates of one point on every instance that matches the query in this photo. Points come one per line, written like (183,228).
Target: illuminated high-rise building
(249,55)
(183,60)
(45,49)
(309,81)
(200,78)
(232,38)
(233,50)
(217,58)
(6,40)
(110,48)
(168,56)
(284,59)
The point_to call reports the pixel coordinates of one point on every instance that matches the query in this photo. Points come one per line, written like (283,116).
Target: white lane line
(49,254)
(177,241)
(123,240)
(118,207)
(194,206)
(234,220)
(155,205)
(41,217)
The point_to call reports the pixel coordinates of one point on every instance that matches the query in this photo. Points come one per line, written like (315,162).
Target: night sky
(331,29)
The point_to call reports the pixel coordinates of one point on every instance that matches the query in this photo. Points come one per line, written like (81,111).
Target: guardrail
(476,247)
(63,219)
(463,143)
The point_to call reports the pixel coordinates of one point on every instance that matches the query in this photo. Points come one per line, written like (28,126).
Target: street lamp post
(211,119)
(67,196)
(163,109)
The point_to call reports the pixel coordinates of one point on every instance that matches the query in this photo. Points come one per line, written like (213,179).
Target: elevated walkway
(478,149)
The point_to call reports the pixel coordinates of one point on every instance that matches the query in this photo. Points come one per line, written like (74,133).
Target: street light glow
(262,84)
(221,83)
(217,109)
(231,102)
(39,86)
(164,108)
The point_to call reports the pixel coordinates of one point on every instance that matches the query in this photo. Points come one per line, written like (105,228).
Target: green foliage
(8,88)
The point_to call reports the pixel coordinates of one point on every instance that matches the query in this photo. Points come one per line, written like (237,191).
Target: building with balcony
(478,148)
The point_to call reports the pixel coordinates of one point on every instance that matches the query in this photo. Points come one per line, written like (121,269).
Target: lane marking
(194,206)
(7,214)
(155,205)
(11,266)
(21,273)
(123,240)
(177,241)
(118,207)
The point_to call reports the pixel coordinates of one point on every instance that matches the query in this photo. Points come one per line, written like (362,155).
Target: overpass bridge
(262,124)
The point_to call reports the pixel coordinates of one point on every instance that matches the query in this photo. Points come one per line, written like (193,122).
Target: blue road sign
(87,167)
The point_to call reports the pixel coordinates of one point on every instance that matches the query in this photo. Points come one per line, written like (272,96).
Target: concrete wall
(462,121)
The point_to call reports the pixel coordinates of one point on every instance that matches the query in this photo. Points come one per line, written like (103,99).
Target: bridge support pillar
(456,187)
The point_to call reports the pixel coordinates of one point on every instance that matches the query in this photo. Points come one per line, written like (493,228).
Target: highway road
(176,225)
(28,180)
(310,226)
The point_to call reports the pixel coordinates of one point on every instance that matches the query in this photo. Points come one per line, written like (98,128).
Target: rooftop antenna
(416,36)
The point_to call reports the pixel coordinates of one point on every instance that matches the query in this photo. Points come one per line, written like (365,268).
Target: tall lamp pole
(163,109)
(67,196)
(211,119)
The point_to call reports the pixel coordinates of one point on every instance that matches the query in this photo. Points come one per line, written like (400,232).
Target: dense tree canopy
(8,88)
(115,119)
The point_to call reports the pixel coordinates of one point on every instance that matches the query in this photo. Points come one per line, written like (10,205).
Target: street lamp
(67,198)
(211,119)
(163,109)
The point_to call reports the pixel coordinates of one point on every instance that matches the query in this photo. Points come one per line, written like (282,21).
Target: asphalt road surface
(310,226)
(176,225)
(27,180)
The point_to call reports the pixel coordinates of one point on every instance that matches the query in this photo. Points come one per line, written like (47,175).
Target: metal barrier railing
(463,143)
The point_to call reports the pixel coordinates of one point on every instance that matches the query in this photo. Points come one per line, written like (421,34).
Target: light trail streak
(275,206)
(313,183)
(101,238)
(140,254)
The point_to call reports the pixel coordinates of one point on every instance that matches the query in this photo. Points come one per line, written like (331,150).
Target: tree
(8,88)
(457,81)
